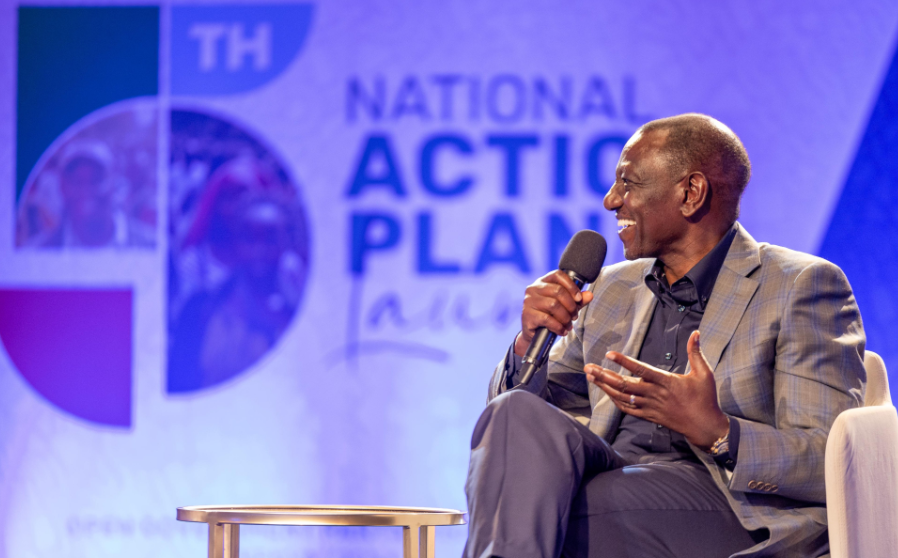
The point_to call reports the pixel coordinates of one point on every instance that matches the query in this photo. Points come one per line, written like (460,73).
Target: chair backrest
(877,381)
(861,471)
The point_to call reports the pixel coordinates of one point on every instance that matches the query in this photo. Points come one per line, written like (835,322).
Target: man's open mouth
(623,224)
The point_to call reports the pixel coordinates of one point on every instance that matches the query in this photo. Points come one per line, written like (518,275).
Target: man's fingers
(622,384)
(558,299)
(551,299)
(535,319)
(561,294)
(639,369)
(693,345)
(697,360)
(563,279)
(552,302)
(538,305)
(627,402)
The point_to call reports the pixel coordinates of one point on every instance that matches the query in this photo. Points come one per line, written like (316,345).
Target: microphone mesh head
(584,255)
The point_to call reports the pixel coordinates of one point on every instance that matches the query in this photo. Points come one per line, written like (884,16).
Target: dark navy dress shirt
(678,312)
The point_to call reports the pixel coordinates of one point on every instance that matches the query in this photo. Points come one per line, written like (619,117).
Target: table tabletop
(418,524)
(321,515)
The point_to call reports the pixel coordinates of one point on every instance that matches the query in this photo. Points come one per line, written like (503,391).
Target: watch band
(721,445)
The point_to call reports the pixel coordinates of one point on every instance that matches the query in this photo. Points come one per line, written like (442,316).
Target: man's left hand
(684,403)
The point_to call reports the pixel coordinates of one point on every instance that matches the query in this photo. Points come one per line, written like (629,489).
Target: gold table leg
(224,540)
(410,541)
(417,541)
(231,540)
(216,540)
(427,547)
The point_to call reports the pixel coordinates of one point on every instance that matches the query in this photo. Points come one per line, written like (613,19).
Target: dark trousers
(542,485)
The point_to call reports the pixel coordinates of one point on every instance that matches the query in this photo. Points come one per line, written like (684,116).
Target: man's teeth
(624,223)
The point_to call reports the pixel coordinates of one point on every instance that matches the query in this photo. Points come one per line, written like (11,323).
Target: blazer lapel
(733,290)
(633,325)
(643,306)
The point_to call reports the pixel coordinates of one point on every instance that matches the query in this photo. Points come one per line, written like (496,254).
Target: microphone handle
(538,351)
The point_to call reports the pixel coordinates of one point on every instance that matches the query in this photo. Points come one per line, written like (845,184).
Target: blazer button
(767,487)
(752,484)
(774,488)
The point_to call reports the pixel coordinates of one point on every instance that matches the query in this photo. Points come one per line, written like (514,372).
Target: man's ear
(696,196)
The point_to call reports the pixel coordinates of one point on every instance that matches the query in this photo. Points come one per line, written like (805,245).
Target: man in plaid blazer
(576,463)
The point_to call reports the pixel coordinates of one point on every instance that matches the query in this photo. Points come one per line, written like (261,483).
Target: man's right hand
(552,302)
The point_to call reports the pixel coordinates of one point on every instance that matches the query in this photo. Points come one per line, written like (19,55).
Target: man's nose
(612,199)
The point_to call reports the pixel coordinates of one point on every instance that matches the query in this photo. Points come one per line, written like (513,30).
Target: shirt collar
(702,276)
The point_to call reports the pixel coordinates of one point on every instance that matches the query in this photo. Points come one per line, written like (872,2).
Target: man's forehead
(642,143)
(650,138)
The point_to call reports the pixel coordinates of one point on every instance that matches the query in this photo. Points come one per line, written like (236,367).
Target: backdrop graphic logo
(232,49)
(86,160)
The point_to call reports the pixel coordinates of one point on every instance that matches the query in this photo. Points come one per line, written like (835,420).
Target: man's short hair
(697,142)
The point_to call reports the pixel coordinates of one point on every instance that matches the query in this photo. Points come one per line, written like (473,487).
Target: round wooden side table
(418,524)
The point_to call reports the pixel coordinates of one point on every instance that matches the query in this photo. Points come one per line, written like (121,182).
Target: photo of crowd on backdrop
(238,251)
(96,187)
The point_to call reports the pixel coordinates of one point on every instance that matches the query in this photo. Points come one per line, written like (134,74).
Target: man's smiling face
(646,199)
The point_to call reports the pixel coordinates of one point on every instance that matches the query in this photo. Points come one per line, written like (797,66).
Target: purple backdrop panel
(73,347)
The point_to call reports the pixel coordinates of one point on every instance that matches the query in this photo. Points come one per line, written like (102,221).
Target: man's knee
(517,401)
(508,407)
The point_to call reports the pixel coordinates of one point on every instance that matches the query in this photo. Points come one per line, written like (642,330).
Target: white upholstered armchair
(862,473)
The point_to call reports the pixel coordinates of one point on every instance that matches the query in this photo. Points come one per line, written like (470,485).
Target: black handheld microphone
(581,260)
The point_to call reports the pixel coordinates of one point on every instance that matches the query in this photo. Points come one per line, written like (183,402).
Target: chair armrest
(862,483)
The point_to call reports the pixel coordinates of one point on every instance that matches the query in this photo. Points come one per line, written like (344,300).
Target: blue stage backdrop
(270,253)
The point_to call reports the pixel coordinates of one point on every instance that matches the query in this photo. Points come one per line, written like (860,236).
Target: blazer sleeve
(818,373)
(561,381)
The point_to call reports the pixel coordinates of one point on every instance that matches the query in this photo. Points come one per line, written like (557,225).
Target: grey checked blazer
(783,334)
